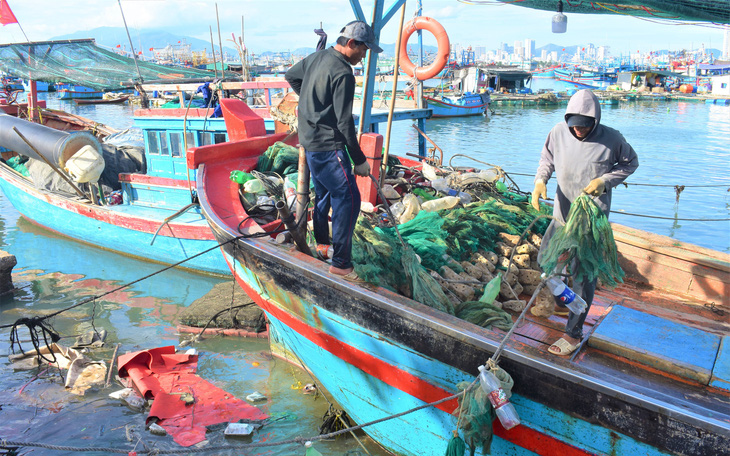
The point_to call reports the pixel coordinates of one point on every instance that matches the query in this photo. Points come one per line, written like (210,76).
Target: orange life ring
(442,55)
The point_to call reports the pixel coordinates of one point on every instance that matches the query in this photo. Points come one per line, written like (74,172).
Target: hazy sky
(279,25)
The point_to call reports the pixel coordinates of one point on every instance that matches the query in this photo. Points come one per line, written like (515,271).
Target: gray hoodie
(603,153)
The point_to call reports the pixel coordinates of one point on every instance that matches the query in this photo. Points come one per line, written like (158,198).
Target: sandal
(562,347)
(353,277)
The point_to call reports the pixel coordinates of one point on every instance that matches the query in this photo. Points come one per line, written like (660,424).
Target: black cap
(578,120)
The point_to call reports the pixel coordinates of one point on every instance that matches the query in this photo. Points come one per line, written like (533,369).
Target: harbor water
(678,143)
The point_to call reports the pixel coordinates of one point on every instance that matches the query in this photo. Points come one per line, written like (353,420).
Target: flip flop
(354,278)
(562,347)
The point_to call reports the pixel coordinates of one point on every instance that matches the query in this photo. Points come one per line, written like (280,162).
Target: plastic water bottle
(441,185)
(240,177)
(502,406)
(560,290)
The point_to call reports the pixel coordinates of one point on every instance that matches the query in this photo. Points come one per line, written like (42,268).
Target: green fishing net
(380,259)
(484,314)
(476,413)
(588,238)
(279,158)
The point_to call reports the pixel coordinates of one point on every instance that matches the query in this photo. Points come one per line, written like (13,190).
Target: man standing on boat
(586,157)
(325,84)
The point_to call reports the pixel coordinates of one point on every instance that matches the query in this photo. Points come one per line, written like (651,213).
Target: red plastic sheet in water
(170,380)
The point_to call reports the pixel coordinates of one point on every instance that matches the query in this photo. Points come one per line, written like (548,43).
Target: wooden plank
(668,273)
(658,343)
(667,246)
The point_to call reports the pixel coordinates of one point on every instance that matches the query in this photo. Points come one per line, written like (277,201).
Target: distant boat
(101,101)
(71,91)
(40,86)
(468,104)
(577,85)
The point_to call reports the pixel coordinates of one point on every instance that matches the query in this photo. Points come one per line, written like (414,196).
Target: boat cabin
(167,134)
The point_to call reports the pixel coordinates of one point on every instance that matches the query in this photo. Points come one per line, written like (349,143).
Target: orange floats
(442,55)
(686,88)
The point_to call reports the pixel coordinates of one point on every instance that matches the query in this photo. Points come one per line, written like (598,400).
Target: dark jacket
(326,87)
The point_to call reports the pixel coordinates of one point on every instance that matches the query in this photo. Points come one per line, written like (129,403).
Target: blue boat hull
(467,105)
(115,228)
(373,376)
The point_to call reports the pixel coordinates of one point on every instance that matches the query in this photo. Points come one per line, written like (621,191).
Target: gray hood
(585,103)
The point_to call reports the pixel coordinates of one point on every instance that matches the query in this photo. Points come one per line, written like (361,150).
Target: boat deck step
(664,345)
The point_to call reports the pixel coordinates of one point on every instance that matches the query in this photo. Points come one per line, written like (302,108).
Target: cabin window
(152,144)
(164,147)
(176,144)
(723,85)
(208,137)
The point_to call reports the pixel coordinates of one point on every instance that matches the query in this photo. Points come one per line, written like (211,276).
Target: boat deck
(635,366)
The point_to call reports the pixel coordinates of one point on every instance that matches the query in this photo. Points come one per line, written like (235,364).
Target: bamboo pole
(212,47)
(384,161)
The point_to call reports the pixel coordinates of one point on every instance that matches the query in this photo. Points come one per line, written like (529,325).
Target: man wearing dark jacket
(325,84)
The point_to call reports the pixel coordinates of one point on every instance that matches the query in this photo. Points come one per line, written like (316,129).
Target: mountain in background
(143,40)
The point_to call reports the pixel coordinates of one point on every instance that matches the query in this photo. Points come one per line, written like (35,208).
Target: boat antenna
(134,54)
(220,42)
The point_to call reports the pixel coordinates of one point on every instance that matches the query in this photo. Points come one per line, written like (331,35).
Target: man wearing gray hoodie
(586,157)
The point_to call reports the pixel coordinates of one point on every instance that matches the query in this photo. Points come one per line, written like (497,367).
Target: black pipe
(55,145)
(291,225)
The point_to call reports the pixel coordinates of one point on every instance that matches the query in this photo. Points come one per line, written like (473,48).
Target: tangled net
(588,238)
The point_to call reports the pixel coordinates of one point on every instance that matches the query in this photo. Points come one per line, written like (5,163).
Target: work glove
(539,191)
(363,169)
(595,187)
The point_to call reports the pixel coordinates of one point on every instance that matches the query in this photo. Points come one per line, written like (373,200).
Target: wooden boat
(468,104)
(121,99)
(72,91)
(158,219)
(577,85)
(653,377)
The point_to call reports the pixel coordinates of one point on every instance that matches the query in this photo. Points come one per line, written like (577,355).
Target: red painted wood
(372,147)
(241,121)
(177,112)
(279,84)
(154,180)
(252,147)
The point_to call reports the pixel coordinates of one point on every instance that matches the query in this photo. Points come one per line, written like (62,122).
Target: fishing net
(83,62)
(380,259)
(688,10)
(588,238)
(484,314)
(476,413)
(279,158)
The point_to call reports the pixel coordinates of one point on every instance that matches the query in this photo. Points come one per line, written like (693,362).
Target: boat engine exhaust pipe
(55,145)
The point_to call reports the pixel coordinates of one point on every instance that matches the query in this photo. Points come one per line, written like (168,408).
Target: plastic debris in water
(309,388)
(238,429)
(156,429)
(255,397)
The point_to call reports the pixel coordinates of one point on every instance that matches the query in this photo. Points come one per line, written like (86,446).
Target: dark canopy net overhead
(715,11)
(82,62)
